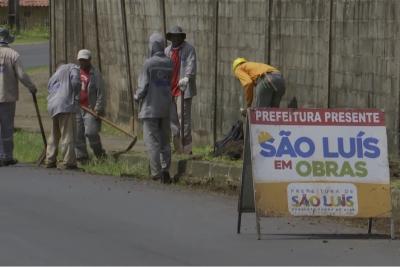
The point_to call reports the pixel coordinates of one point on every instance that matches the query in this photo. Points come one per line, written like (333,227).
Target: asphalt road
(71,218)
(33,55)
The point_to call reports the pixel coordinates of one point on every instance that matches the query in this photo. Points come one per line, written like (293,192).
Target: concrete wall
(199,20)
(333,53)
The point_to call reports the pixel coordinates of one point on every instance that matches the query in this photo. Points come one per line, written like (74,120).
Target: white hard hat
(84,54)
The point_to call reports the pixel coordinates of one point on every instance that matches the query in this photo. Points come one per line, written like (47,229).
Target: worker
(183,87)
(92,96)
(11,71)
(267,80)
(62,104)
(154,97)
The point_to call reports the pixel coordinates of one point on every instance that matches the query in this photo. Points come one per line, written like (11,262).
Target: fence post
(128,62)
(216,10)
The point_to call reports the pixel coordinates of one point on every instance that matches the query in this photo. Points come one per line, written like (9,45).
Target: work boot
(50,165)
(156,177)
(70,167)
(9,162)
(83,161)
(166,178)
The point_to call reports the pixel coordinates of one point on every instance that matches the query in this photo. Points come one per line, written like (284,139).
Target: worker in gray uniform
(154,97)
(11,71)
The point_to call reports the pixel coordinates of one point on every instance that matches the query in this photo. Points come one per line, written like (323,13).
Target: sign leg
(239,223)
(369,226)
(258,226)
(392,228)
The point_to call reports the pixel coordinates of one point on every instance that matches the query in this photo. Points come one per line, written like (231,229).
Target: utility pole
(13,14)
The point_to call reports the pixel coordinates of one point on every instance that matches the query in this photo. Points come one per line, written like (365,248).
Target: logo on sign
(332,199)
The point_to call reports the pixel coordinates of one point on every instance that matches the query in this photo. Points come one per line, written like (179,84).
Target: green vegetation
(29,146)
(206,153)
(35,35)
(395,184)
(38,70)
(117,168)
(109,130)
(40,76)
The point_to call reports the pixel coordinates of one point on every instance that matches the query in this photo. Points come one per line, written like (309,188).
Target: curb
(196,171)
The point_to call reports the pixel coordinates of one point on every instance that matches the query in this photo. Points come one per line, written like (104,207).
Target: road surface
(33,55)
(50,217)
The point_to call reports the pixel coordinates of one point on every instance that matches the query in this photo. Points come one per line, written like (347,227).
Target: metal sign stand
(246,195)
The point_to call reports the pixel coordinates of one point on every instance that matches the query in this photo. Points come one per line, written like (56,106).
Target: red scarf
(176,62)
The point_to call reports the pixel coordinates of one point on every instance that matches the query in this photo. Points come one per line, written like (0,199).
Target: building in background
(33,13)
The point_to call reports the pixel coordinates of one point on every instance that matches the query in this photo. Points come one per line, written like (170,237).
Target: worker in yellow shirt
(267,80)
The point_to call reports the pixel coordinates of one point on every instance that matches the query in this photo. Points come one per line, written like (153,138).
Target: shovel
(134,137)
(43,155)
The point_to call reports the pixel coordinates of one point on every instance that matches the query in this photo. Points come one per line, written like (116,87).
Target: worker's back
(156,82)
(63,89)
(8,77)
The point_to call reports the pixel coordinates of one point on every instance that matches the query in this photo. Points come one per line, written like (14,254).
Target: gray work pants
(268,95)
(176,115)
(88,126)
(157,136)
(63,134)
(7,114)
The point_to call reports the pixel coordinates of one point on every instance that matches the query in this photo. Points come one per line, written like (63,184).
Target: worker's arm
(23,77)
(143,84)
(191,63)
(75,79)
(101,99)
(247,84)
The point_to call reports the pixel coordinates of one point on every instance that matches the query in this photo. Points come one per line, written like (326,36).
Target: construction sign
(318,162)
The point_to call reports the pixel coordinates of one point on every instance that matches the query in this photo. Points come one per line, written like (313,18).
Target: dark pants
(269,90)
(7,114)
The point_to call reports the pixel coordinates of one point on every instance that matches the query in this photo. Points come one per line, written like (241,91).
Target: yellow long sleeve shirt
(248,73)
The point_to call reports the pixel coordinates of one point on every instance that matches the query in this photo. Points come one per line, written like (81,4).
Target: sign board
(319,162)
(315,162)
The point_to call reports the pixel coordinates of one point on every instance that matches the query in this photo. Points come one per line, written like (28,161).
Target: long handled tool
(134,137)
(183,121)
(43,155)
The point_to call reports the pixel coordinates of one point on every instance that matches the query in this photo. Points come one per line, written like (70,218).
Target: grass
(40,76)
(29,146)
(38,70)
(116,168)
(206,153)
(395,184)
(109,130)
(35,35)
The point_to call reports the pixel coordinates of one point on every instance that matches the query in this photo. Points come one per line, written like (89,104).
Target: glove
(183,83)
(33,90)
(243,112)
(136,97)
(99,112)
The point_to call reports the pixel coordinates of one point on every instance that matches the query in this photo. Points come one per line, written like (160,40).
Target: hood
(156,44)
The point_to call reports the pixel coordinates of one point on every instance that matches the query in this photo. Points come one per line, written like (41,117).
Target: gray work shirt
(11,71)
(187,55)
(154,86)
(64,90)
